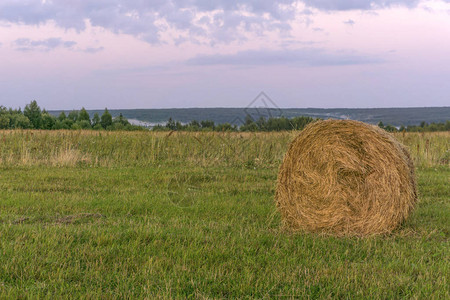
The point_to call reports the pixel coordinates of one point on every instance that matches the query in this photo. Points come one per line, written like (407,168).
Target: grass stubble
(93,215)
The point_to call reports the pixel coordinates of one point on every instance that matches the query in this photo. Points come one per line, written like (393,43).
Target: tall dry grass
(428,149)
(90,148)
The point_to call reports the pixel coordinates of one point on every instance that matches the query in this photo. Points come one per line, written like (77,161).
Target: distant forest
(33,117)
(283,124)
(396,117)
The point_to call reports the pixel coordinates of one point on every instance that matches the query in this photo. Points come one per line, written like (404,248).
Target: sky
(120,54)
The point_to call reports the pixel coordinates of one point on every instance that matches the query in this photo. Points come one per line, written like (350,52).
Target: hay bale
(345,177)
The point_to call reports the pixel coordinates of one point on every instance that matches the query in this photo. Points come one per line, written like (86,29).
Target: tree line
(283,124)
(423,127)
(249,124)
(32,117)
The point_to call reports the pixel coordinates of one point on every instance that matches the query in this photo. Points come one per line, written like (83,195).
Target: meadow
(86,214)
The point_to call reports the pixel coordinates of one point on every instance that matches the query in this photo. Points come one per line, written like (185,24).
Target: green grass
(207,149)
(171,231)
(176,215)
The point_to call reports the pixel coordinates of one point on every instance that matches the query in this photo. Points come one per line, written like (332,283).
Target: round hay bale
(345,177)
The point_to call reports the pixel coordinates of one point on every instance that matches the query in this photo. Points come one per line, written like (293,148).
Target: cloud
(25,44)
(223,20)
(93,50)
(331,5)
(349,22)
(304,57)
(213,21)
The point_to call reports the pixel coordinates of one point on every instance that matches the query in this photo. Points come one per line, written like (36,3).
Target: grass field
(176,215)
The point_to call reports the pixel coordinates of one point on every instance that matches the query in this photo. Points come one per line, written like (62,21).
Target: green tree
(250,127)
(248,120)
(58,125)
(5,121)
(5,118)
(33,112)
(225,127)
(83,124)
(171,124)
(207,124)
(73,116)
(83,120)
(62,116)
(278,124)
(121,120)
(390,128)
(261,122)
(116,126)
(433,127)
(84,116)
(106,119)
(249,124)
(67,124)
(75,126)
(48,121)
(98,126)
(300,122)
(21,121)
(96,120)
(193,126)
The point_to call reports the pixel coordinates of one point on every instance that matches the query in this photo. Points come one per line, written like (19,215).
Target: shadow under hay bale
(345,177)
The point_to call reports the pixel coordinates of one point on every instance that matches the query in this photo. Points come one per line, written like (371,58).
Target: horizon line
(222,107)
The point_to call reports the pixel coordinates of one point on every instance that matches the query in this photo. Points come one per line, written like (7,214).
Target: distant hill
(393,116)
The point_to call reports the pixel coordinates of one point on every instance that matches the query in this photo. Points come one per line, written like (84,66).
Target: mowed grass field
(192,215)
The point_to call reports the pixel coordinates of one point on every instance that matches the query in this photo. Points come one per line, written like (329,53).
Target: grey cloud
(299,58)
(93,50)
(307,12)
(357,4)
(349,22)
(22,42)
(140,18)
(231,19)
(25,44)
